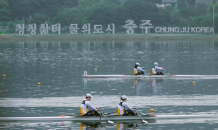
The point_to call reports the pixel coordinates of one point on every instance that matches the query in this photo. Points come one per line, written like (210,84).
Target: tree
(201,9)
(4,12)
(138,10)
(155,1)
(11,26)
(187,8)
(4,15)
(38,19)
(22,9)
(66,16)
(4,4)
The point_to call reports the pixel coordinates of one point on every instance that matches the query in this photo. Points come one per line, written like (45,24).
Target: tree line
(187,13)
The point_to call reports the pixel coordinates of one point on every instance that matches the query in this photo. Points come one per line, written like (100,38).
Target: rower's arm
(90,106)
(139,68)
(159,68)
(125,105)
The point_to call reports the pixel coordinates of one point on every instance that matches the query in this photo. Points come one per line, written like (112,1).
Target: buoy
(4,75)
(151,110)
(38,83)
(193,82)
(95,69)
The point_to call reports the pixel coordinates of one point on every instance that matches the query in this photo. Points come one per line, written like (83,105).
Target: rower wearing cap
(155,68)
(124,109)
(138,70)
(86,104)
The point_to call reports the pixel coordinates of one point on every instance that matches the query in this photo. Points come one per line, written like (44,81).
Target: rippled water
(59,67)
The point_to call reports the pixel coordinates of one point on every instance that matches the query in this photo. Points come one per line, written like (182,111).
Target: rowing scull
(154,76)
(110,117)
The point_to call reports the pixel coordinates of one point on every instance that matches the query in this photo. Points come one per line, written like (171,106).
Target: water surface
(59,67)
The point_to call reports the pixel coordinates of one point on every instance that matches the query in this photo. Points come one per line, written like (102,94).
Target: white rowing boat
(166,76)
(101,118)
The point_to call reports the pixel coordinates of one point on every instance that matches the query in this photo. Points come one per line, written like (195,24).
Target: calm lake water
(59,67)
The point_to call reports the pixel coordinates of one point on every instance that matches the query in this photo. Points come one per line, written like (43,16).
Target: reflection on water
(73,125)
(118,125)
(59,68)
(157,86)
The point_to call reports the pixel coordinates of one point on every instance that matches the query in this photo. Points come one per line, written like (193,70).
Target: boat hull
(155,76)
(102,118)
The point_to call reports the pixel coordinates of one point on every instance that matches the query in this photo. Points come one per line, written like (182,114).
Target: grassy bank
(156,37)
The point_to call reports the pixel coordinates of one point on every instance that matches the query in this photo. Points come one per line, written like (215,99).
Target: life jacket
(135,71)
(153,71)
(121,109)
(83,108)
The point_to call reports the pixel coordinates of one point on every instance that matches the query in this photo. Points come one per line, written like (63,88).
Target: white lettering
(207,29)
(176,29)
(193,29)
(156,29)
(198,29)
(211,29)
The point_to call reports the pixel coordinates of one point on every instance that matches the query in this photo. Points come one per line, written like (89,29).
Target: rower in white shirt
(86,104)
(155,68)
(124,109)
(138,70)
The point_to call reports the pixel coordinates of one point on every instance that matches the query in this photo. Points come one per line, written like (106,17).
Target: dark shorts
(159,73)
(140,73)
(128,112)
(92,113)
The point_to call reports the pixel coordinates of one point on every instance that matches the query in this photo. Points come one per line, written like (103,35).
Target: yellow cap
(151,110)
(193,82)
(95,69)
(38,83)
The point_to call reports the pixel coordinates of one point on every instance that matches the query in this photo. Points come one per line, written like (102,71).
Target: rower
(155,68)
(124,109)
(86,104)
(138,70)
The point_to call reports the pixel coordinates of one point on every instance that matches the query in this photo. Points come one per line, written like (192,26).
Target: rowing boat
(166,76)
(110,117)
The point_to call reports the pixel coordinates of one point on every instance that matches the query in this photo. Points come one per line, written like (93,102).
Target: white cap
(155,64)
(137,63)
(124,97)
(88,95)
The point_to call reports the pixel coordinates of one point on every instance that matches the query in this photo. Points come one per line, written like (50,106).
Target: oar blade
(110,122)
(144,121)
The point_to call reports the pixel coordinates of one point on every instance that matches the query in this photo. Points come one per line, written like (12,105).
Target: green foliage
(66,16)
(201,9)
(215,8)
(104,12)
(4,4)
(139,10)
(38,19)
(21,22)
(0,23)
(4,15)
(11,26)
(155,1)
(48,22)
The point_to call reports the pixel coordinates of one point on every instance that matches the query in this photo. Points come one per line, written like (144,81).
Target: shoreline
(117,37)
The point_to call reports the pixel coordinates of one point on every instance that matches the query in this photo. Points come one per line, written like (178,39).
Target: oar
(141,118)
(107,118)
